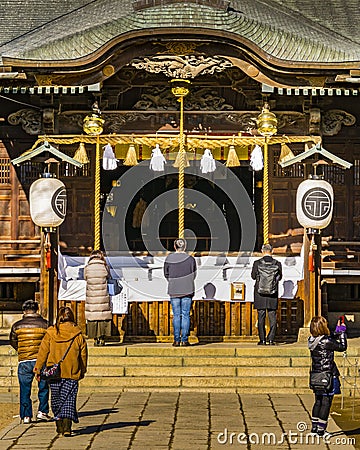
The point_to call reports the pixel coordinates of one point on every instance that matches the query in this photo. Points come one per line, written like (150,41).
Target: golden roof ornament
(93,123)
(266,121)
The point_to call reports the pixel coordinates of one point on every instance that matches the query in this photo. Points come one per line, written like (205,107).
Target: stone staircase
(217,367)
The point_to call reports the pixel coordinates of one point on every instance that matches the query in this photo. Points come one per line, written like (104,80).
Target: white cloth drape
(207,163)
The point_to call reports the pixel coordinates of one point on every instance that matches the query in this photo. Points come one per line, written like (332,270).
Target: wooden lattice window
(357,172)
(4,170)
(68,170)
(293,171)
(29,172)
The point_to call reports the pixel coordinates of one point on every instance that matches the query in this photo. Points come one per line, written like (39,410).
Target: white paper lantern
(48,202)
(314,203)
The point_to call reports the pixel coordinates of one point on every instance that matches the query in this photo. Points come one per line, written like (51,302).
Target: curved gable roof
(278,32)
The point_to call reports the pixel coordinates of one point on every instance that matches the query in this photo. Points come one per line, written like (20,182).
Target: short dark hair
(266,248)
(30,305)
(180,244)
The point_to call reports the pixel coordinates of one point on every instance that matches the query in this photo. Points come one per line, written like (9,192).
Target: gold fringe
(81,155)
(232,159)
(286,153)
(131,159)
(178,160)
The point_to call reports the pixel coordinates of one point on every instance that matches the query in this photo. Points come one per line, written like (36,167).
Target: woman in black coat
(322,347)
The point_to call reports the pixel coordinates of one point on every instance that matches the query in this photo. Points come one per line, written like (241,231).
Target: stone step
(241,384)
(216,350)
(213,368)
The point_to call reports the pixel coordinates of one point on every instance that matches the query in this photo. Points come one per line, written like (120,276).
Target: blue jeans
(26,376)
(181,317)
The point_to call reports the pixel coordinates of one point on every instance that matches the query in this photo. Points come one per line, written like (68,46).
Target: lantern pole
(180,90)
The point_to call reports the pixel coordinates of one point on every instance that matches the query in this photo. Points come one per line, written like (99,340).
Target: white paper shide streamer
(157,159)
(256,159)
(207,163)
(109,161)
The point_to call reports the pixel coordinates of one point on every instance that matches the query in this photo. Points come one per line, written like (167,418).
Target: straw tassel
(131,159)
(157,160)
(232,159)
(81,155)
(257,159)
(308,146)
(207,163)
(285,154)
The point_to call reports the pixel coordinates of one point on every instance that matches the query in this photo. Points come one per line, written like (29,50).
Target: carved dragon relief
(187,66)
(333,119)
(29,119)
(247,120)
(203,99)
(114,121)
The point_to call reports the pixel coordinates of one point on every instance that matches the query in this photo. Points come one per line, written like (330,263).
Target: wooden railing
(20,253)
(210,320)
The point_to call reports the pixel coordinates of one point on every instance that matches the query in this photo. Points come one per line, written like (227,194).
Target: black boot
(67,427)
(59,426)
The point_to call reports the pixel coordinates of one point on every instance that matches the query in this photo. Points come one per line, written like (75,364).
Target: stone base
(303,334)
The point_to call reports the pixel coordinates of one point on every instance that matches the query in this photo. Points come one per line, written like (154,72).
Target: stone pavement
(180,421)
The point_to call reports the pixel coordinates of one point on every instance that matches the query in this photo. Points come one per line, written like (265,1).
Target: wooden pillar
(317,273)
(48,275)
(309,283)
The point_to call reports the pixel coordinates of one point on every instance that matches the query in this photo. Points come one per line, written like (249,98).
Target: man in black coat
(266,298)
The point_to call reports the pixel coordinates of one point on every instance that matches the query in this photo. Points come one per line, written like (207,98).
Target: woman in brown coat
(57,340)
(97,304)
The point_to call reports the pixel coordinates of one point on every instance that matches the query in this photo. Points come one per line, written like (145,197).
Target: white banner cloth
(143,279)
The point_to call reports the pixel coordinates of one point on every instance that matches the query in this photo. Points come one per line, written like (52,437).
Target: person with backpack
(267,272)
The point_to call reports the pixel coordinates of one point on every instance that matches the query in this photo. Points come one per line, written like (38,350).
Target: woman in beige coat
(65,335)
(97,304)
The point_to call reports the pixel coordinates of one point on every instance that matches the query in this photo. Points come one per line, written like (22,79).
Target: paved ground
(180,421)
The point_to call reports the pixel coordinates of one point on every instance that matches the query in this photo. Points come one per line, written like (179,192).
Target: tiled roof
(288,33)
(21,16)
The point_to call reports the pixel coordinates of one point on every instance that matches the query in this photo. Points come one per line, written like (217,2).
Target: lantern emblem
(47,202)
(317,203)
(58,202)
(314,203)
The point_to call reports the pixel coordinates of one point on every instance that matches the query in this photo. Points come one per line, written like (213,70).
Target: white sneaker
(43,416)
(27,420)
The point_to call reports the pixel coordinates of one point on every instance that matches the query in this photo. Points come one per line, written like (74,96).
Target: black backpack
(267,276)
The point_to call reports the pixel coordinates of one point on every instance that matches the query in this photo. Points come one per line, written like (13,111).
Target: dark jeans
(181,320)
(261,324)
(321,409)
(26,376)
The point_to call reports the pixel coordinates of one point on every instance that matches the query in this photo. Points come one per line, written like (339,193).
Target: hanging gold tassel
(308,146)
(285,154)
(232,159)
(81,155)
(178,159)
(131,159)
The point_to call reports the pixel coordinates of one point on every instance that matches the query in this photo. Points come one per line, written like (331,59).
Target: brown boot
(59,426)
(67,427)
